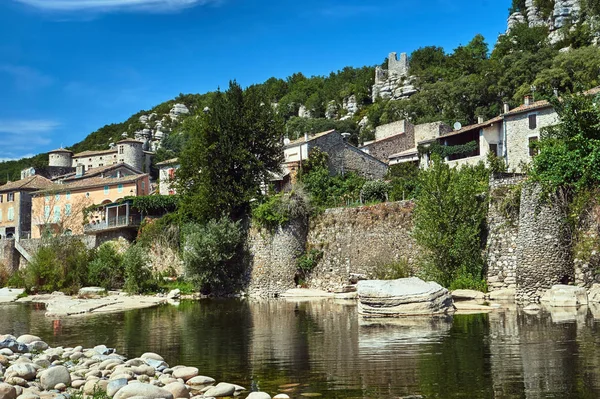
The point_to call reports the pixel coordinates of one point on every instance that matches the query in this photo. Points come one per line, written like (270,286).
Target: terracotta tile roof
(99,170)
(472,127)
(90,153)
(60,150)
(32,183)
(91,183)
(168,162)
(530,107)
(310,138)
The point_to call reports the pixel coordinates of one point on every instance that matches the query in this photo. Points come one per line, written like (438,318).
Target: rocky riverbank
(30,369)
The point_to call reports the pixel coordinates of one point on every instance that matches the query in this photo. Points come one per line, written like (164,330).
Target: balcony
(116,217)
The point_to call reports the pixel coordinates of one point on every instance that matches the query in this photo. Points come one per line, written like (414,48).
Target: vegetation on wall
(449,224)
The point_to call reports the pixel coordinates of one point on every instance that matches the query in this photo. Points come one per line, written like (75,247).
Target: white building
(166,176)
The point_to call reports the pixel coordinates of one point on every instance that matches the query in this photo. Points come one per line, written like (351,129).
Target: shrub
(213,255)
(309,260)
(106,269)
(466,281)
(404,181)
(449,219)
(279,209)
(59,264)
(138,277)
(392,271)
(375,191)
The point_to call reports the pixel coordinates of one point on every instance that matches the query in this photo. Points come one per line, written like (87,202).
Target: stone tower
(131,152)
(60,158)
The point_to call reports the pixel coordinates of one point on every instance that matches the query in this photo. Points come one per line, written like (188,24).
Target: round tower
(130,151)
(60,158)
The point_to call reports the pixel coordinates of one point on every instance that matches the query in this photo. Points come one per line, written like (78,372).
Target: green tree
(449,218)
(230,152)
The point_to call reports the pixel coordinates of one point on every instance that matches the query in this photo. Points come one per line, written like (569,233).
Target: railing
(114,222)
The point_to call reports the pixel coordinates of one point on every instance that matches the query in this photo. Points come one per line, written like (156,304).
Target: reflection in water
(328,348)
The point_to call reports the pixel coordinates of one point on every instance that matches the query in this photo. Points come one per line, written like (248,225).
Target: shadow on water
(327,348)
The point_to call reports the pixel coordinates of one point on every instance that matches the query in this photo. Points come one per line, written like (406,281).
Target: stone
(259,395)
(467,295)
(565,296)
(200,382)
(60,387)
(7,391)
(92,291)
(221,390)
(178,389)
(185,373)
(594,294)
(505,295)
(27,339)
(179,109)
(157,364)
(53,376)
(3,360)
(151,355)
(113,386)
(14,346)
(22,370)
(403,297)
(281,396)
(174,294)
(91,386)
(77,383)
(37,346)
(146,390)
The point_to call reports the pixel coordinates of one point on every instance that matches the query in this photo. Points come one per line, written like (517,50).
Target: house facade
(16,206)
(390,139)
(61,208)
(166,176)
(342,157)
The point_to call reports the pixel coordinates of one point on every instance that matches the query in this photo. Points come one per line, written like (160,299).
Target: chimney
(480,119)
(528,100)
(79,170)
(506,108)
(305,137)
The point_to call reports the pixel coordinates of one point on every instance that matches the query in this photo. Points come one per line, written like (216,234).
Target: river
(327,348)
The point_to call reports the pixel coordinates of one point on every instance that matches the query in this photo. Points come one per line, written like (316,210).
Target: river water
(327,348)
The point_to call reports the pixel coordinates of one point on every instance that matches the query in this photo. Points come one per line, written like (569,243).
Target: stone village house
(166,176)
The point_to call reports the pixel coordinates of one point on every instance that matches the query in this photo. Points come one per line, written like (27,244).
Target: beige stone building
(15,206)
(61,208)
(166,176)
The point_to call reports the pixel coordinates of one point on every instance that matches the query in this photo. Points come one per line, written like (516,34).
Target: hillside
(536,57)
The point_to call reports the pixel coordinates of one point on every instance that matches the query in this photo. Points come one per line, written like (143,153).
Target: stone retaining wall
(543,252)
(501,247)
(356,241)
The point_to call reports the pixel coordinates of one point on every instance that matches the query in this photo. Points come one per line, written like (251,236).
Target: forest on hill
(473,80)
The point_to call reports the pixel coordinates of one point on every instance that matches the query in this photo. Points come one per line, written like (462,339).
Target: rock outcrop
(565,296)
(403,297)
(393,83)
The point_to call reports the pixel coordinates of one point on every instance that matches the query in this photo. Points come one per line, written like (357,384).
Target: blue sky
(68,67)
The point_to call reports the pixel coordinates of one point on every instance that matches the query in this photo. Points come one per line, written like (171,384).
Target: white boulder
(565,296)
(403,297)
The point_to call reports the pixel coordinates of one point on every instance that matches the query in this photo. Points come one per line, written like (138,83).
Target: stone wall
(365,165)
(501,247)
(273,256)
(543,253)
(400,139)
(356,241)
(586,254)
(392,129)
(9,261)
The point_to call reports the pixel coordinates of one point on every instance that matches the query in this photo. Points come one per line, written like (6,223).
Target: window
(121,149)
(68,195)
(532,121)
(143,186)
(100,164)
(11,197)
(0,215)
(1,198)
(105,190)
(120,188)
(56,214)
(90,167)
(494,149)
(533,151)
(46,212)
(87,195)
(11,214)
(68,210)
(57,197)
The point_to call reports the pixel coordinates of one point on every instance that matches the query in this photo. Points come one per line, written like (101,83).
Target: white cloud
(26,78)
(20,137)
(115,5)
(12,157)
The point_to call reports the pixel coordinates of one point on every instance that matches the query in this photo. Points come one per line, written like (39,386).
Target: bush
(279,209)
(404,181)
(309,260)
(106,269)
(466,281)
(450,216)
(138,277)
(375,191)
(59,265)
(213,255)
(392,271)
